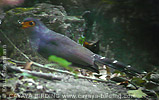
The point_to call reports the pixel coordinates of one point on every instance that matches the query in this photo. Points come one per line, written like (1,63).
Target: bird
(48,42)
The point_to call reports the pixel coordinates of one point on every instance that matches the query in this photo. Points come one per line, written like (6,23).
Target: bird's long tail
(116,65)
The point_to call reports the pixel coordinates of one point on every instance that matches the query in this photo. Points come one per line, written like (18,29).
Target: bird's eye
(31,23)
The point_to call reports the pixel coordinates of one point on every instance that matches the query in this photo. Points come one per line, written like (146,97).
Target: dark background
(127,28)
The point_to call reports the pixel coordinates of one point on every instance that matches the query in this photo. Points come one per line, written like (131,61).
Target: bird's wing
(68,49)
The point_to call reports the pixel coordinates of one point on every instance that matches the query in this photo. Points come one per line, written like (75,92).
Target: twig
(34,73)
(72,74)
(15,47)
(66,72)
(44,67)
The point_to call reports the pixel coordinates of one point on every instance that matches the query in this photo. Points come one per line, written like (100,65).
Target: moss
(19,10)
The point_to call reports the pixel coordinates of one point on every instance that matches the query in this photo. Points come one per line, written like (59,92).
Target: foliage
(138,81)
(137,93)
(81,40)
(62,62)
(19,10)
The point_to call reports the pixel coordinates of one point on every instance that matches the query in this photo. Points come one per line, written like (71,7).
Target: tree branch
(34,73)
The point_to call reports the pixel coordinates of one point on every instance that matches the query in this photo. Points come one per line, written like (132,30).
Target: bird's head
(32,24)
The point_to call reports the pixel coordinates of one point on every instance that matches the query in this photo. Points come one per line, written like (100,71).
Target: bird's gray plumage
(48,42)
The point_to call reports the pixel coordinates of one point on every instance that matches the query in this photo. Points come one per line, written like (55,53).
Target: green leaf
(138,81)
(81,40)
(62,62)
(137,93)
(25,74)
(76,74)
(28,75)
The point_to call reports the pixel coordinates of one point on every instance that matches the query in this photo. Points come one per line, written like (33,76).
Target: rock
(154,78)
(53,16)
